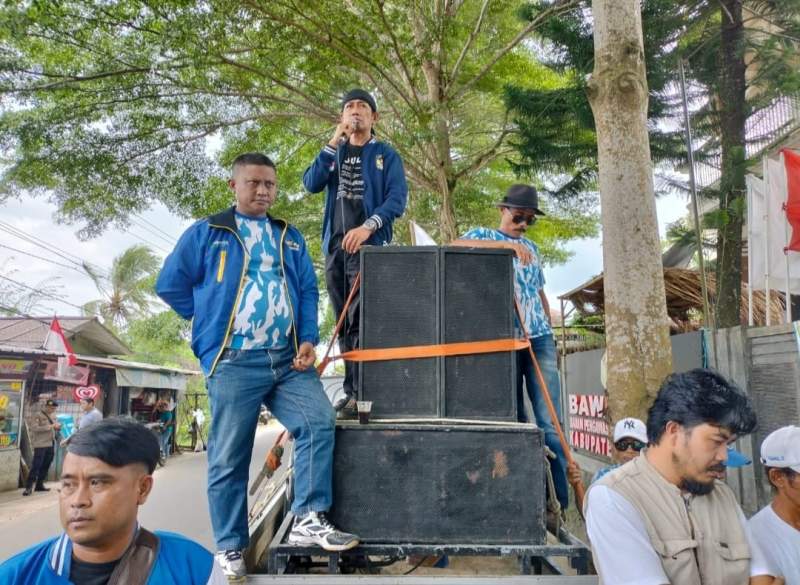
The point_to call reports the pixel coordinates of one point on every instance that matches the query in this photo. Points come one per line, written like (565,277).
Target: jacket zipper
(238,295)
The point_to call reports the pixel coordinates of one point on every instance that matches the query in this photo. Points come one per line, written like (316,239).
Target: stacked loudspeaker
(442,459)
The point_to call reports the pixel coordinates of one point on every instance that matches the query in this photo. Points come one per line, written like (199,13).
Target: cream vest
(699,538)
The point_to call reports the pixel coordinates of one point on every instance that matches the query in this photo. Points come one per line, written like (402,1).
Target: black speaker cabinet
(477,296)
(399,293)
(440,483)
(428,295)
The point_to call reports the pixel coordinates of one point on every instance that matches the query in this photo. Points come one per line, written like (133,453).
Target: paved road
(178,502)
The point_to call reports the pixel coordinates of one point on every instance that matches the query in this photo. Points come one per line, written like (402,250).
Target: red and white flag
(57,342)
(791,160)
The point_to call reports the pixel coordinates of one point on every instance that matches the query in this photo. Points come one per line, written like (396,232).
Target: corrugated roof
(31,332)
(115,363)
(13,349)
(97,361)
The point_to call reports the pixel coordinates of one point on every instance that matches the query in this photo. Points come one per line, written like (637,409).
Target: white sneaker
(315,528)
(232,564)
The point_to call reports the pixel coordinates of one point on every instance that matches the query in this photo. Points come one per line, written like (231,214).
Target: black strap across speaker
(419,295)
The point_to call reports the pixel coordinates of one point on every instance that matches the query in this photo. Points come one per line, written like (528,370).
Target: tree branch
(554,10)
(471,39)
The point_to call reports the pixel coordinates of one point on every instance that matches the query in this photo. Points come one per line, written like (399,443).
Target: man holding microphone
(365,192)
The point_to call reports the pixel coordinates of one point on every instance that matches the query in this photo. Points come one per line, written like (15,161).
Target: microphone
(353,128)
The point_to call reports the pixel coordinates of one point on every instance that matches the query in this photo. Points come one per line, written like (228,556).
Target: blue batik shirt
(528,280)
(264,317)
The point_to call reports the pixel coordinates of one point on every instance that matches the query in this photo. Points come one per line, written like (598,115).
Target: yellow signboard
(14,367)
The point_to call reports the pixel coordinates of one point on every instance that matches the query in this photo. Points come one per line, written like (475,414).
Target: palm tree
(127,291)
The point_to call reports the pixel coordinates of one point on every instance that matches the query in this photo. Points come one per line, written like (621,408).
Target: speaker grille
(477,305)
(441,484)
(399,308)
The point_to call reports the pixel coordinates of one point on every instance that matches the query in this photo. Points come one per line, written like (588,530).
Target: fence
(765,362)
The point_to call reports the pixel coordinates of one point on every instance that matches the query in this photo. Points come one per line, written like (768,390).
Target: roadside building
(30,374)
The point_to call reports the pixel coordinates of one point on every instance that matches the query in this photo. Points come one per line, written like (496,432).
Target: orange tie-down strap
(429,351)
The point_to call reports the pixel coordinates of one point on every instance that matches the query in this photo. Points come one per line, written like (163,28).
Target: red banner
(792,162)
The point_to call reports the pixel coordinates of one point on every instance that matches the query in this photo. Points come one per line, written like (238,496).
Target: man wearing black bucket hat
(519,210)
(365,192)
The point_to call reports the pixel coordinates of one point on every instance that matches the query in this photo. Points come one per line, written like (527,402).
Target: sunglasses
(625,444)
(523,218)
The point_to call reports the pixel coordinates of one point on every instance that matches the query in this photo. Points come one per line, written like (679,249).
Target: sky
(157,227)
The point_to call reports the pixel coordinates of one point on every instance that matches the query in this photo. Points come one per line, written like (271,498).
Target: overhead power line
(43,259)
(41,292)
(158,231)
(51,248)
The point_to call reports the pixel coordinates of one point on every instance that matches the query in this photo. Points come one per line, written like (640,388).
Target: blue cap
(736,459)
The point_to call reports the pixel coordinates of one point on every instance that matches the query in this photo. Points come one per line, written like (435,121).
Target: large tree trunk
(732,182)
(638,349)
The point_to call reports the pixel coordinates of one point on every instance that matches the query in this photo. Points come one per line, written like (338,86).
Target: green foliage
(127,292)
(117,104)
(557,133)
(162,338)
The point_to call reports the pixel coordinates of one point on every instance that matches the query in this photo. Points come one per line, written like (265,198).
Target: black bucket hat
(521,197)
(51,402)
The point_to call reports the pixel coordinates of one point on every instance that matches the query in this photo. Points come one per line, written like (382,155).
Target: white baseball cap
(781,448)
(630,427)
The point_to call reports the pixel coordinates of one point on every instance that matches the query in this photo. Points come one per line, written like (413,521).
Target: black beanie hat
(360,94)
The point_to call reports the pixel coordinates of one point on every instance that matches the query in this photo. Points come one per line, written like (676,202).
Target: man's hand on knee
(305,358)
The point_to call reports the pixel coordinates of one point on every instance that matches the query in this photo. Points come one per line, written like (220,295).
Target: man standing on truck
(365,192)
(519,210)
(246,281)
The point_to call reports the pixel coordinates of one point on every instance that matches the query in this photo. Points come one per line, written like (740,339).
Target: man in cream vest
(666,518)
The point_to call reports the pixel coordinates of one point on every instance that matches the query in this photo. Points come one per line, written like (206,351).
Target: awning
(150,379)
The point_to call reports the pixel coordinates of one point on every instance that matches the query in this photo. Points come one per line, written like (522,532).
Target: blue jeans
(544,348)
(243,380)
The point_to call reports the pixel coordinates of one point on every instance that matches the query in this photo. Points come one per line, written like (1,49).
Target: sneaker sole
(310,540)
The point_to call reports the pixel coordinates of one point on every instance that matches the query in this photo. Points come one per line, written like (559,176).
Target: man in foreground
(365,192)
(776,528)
(666,518)
(246,281)
(107,474)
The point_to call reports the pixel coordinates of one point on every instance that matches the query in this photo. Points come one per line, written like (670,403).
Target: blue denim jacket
(202,278)
(385,188)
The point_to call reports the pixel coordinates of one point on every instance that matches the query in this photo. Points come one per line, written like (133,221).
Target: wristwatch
(371,224)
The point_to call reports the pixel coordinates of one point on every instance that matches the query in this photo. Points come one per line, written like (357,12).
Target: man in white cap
(777,526)
(630,437)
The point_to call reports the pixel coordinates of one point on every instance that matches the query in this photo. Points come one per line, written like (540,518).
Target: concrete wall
(9,469)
